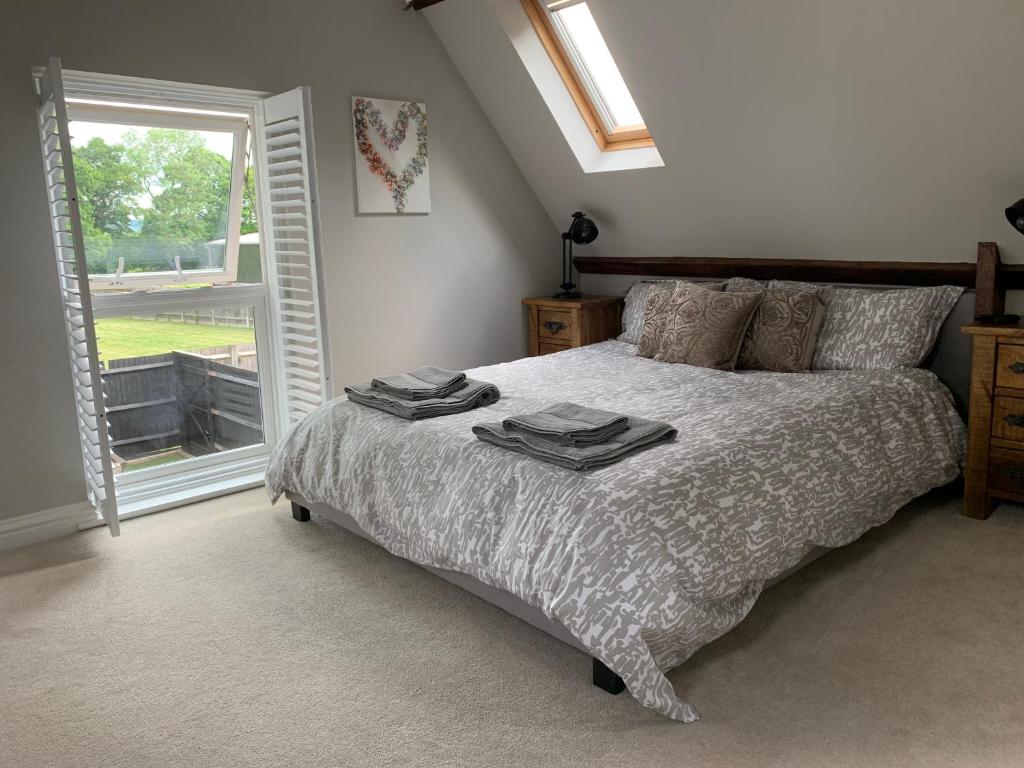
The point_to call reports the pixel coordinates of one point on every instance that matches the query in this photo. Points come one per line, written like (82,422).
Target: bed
(642,563)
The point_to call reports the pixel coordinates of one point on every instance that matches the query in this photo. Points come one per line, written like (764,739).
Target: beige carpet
(226,634)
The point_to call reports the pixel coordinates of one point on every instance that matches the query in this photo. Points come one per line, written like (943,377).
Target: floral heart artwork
(370,123)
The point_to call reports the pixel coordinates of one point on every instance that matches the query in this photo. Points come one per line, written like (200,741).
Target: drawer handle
(1014,419)
(1017,367)
(554,326)
(1013,473)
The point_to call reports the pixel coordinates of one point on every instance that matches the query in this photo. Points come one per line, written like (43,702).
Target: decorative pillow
(636,300)
(745,284)
(885,329)
(824,291)
(655,315)
(705,328)
(784,331)
(748,284)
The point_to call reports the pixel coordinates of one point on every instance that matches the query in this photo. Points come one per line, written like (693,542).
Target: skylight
(589,56)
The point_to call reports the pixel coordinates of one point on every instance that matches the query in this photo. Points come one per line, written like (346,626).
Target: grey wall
(402,291)
(793,128)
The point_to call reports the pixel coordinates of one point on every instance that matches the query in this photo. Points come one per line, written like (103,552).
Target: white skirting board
(44,524)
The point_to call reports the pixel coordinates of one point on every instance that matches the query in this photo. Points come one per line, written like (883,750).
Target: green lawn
(128,337)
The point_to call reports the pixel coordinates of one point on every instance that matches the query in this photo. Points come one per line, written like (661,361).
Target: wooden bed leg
(607,680)
(300,513)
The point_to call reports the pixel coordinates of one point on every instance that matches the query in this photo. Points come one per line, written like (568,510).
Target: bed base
(602,676)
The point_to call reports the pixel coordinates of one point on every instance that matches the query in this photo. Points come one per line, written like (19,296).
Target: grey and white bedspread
(649,559)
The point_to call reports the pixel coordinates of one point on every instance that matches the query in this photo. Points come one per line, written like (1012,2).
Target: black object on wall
(1015,215)
(581,231)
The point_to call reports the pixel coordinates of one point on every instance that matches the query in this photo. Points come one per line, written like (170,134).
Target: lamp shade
(1015,215)
(584,230)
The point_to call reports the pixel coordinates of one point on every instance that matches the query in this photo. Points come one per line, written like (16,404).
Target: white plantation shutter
(290,231)
(76,302)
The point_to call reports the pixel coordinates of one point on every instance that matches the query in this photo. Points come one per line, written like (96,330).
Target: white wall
(402,291)
(793,128)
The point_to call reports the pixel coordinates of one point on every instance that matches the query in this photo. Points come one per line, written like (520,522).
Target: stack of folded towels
(424,393)
(575,436)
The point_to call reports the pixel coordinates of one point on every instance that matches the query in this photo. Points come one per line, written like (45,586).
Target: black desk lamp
(581,231)
(1015,215)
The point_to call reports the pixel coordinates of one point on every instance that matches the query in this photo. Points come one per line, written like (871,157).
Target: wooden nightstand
(557,324)
(995,421)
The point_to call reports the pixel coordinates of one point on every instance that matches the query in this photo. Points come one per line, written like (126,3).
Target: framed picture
(391,156)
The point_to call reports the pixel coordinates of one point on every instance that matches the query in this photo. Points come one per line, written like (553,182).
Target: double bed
(641,563)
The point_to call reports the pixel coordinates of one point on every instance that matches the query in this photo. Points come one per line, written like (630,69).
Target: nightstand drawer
(1006,472)
(1010,366)
(556,324)
(1008,418)
(547,347)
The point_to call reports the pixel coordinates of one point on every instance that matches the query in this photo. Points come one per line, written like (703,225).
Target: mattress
(646,561)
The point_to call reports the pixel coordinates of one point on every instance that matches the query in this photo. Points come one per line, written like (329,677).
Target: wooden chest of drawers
(557,324)
(995,422)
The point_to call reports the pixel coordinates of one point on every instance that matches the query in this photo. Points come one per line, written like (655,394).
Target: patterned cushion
(705,328)
(784,332)
(745,284)
(655,315)
(885,329)
(636,300)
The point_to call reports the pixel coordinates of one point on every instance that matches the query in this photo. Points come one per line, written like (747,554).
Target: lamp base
(568,292)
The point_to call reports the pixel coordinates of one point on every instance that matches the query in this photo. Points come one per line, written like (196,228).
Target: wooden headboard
(950,360)
(989,276)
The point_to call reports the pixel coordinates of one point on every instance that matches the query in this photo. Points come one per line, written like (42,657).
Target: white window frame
(141,491)
(237,124)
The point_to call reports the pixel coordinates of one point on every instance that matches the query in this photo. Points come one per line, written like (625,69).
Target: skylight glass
(594,62)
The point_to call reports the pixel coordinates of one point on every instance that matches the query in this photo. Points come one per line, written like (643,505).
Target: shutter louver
(290,224)
(76,302)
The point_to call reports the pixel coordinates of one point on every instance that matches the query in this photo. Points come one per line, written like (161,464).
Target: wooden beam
(991,296)
(811,270)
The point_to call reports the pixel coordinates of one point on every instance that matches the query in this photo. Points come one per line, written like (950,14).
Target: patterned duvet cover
(649,559)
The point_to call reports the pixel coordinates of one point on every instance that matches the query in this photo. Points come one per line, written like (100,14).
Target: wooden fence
(180,399)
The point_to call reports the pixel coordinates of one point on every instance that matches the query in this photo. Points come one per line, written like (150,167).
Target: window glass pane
(180,384)
(581,28)
(152,199)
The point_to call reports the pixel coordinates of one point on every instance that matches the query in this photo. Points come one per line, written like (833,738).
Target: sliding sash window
(76,301)
(285,294)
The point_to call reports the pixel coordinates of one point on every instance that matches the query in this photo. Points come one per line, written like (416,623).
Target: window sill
(176,490)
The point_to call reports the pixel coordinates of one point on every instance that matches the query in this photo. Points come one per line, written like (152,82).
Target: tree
(108,188)
(152,199)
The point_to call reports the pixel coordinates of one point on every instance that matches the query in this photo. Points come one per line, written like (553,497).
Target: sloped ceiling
(796,128)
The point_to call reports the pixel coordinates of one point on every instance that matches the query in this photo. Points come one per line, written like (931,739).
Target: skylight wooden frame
(622,138)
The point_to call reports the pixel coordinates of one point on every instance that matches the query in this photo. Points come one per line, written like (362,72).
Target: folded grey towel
(475,394)
(569,424)
(426,383)
(640,434)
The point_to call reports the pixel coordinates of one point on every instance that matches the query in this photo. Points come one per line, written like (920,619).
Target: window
(164,194)
(572,39)
(195,332)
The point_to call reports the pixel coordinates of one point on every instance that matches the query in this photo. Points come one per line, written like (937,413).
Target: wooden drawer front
(1010,366)
(547,347)
(1008,418)
(558,324)
(1006,472)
